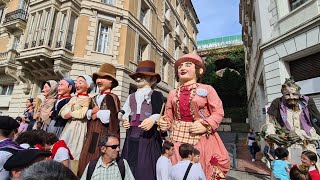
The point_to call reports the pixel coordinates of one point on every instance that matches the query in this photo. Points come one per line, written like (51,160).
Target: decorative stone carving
(61,68)
(25,77)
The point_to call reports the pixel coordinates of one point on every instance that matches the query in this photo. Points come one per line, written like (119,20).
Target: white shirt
(61,155)
(163,168)
(141,95)
(4,156)
(178,171)
(103,115)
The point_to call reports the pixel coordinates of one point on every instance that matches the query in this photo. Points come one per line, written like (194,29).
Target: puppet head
(84,84)
(145,75)
(50,89)
(105,78)
(291,92)
(189,68)
(66,86)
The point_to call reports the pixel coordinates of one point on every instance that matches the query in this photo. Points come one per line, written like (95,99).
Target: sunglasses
(114,146)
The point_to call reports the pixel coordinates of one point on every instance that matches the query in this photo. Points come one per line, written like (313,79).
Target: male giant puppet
(102,114)
(142,146)
(193,114)
(292,121)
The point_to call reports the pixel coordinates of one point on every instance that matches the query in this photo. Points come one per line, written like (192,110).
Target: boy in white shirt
(185,169)
(164,165)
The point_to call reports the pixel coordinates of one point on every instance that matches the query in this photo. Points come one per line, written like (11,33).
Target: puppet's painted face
(46,89)
(64,88)
(144,81)
(81,85)
(291,95)
(187,72)
(104,83)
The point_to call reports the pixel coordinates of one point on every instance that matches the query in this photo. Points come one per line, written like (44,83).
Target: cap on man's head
(8,123)
(24,158)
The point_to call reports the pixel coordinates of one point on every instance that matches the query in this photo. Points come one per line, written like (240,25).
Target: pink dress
(204,103)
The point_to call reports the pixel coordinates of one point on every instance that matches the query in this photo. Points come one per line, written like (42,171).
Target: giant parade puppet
(193,114)
(293,121)
(142,146)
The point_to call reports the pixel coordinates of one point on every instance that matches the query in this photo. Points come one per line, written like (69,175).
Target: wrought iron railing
(58,44)
(14,15)
(69,46)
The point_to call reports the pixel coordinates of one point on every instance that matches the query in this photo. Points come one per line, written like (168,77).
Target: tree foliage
(231,87)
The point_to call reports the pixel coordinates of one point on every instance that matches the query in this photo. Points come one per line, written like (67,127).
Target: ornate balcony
(15,20)
(8,57)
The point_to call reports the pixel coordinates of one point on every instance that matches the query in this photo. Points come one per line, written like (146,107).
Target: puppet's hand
(67,116)
(95,110)
(164,124)
(146,124)
(94,116)
(126,124)
(197,128)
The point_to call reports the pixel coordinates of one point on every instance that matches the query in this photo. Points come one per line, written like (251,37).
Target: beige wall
(127,39)
(131,6)
(13,5)
(81,37)
(4,42)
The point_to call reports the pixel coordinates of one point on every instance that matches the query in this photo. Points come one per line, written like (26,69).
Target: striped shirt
(103,172)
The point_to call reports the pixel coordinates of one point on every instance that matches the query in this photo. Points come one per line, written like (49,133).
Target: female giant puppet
(193,114)
(74,113)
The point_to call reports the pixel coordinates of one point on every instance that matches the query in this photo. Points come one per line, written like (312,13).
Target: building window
(167,12)
(16,41)
(111,2)
(61,31)
(165,71)
(166,38)
(177,30)
(70,32)
(103,38)
(1,14)
(144,11)
(37,31)
(296,3)
(142,50)
(45,28)
(177,51)
(6,90)
(30,32)
(53,25)
(23,4)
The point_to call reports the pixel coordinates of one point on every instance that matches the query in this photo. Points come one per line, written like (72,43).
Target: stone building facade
(51,39)
(281,39)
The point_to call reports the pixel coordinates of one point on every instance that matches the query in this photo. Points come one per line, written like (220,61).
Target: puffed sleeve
(215,109)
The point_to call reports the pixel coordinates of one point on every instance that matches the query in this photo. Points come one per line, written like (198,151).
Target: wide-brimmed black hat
(24,158)
(8,123)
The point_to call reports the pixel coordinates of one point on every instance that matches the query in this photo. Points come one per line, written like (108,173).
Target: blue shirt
(281,169)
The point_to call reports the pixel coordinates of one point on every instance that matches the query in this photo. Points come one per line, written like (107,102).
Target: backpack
(93,163)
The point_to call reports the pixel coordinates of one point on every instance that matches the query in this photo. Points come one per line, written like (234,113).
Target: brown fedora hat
(146,67)
(106,70)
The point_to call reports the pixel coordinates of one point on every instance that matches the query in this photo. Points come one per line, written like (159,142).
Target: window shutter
(306,67)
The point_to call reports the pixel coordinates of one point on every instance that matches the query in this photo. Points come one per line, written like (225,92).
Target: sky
(218,18)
